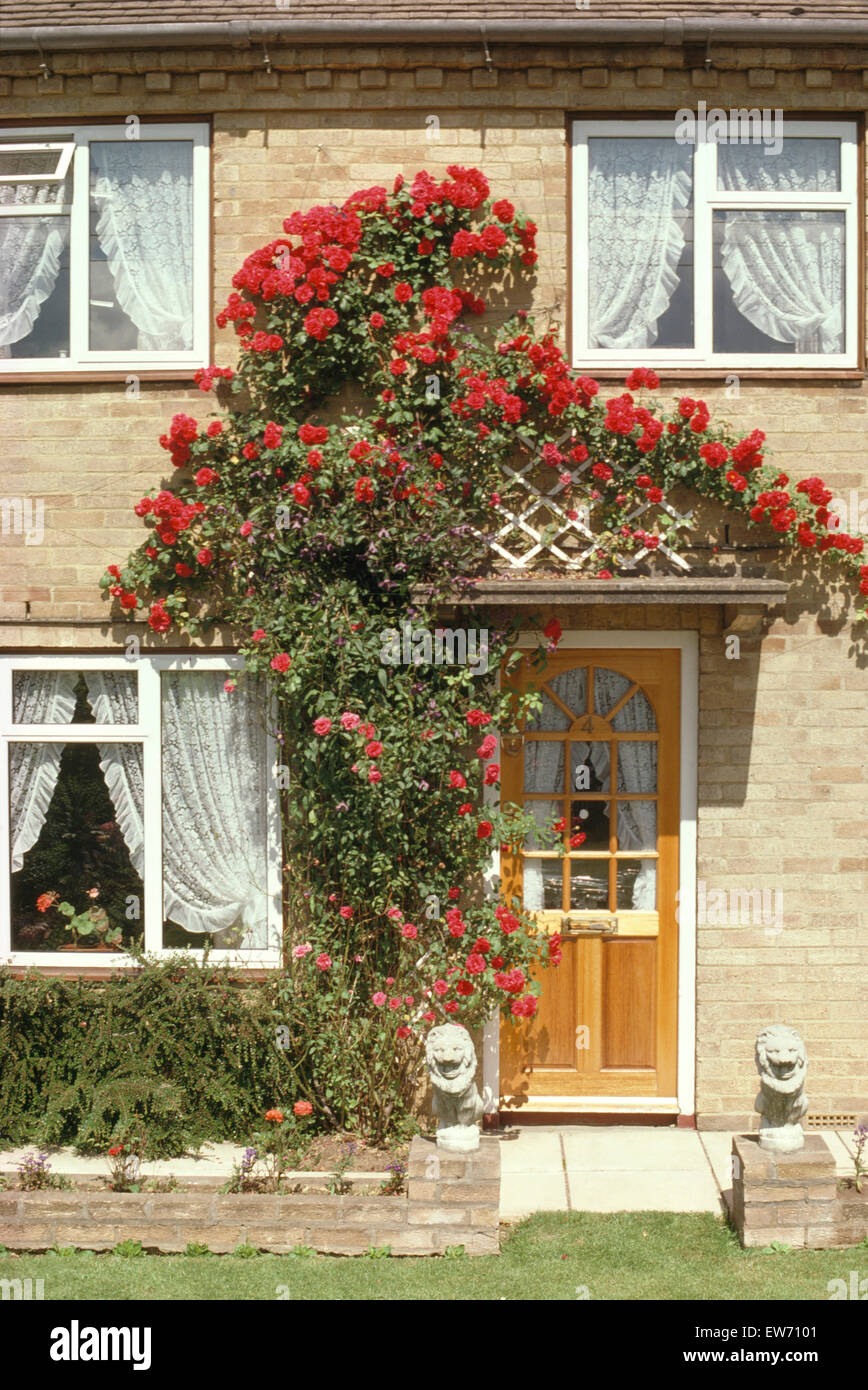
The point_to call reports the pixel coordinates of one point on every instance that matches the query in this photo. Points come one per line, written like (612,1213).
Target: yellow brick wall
(783,787)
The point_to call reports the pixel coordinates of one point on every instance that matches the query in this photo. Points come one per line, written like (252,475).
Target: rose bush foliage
(363,450)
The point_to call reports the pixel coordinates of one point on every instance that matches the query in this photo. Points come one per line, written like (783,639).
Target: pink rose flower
(322,725)
(299,952)
(379,998)
(349,721)
(324,961)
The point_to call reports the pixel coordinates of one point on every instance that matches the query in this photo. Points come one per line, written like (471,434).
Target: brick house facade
(778,765)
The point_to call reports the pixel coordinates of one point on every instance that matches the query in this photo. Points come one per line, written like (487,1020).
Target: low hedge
(175,1049)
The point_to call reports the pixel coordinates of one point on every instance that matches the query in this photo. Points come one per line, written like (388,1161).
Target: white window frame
(707,199)
(146,732)
(77,140)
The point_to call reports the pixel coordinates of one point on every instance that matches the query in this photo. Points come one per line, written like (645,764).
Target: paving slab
(663,1190)
(521,1194)
(532,1150)
(717,1145)
(629,1148)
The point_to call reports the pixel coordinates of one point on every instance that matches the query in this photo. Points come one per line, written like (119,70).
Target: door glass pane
(637,825)
(543,766)
(801,165)
(637,885)
(551,718)
(75,697)
(571,687)
(590,818)
(543,885)
(589,885)
(636,717)
(545,813)
(77,844)
(637,766)
(589,766)
(640,254)
(779,281)
(141,245)
(609,688)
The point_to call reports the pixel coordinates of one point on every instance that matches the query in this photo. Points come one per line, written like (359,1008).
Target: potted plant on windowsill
(92,922)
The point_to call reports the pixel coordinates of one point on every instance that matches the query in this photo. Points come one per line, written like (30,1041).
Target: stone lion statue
(782,1062)
(451,1060)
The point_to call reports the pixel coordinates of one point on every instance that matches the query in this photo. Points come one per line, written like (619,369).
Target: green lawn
(651,1255)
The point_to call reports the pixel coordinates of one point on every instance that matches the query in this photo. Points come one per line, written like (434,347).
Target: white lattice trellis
(520,542)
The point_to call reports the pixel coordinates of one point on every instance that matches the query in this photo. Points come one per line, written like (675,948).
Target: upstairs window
(104,248)
(737,247)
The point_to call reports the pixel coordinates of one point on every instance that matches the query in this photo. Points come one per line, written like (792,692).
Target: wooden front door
(602,756)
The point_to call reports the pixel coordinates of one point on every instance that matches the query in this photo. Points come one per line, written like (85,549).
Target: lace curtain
(113,697)
(143,191)
(214,806)
(786,269)
(544,771)
(30,254)
(637,189)
(40,697)
(637,820)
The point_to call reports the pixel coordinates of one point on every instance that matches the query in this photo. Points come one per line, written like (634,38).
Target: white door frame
(684,1103)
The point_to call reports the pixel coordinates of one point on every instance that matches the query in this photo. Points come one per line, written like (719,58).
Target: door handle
(572,927)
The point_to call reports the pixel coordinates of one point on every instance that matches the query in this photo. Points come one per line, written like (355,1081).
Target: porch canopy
(745,601)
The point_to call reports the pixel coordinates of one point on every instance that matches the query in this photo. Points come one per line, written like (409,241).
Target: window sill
(91,971)
(673,373)
(79,377)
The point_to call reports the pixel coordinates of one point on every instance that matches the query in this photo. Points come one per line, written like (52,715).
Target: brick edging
(452,1199)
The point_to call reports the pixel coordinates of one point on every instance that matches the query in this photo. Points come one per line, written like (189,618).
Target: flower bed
(451,1200)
